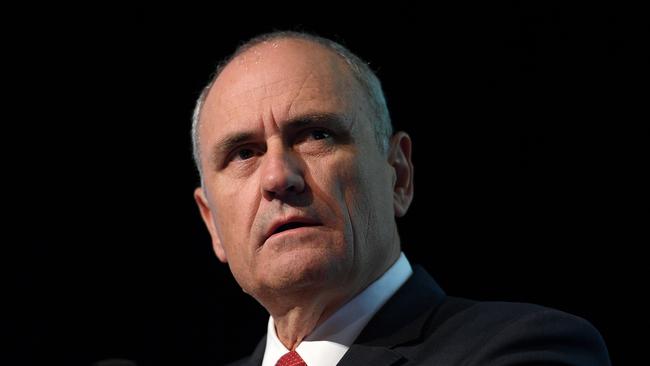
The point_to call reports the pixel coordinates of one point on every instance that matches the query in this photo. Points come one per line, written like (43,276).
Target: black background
(530,144)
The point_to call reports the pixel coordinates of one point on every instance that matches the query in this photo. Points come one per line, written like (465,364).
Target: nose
(281,174)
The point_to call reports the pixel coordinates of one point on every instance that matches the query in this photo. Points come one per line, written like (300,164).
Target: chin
(305,269)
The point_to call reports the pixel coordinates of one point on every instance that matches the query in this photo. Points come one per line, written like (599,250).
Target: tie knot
(291,359)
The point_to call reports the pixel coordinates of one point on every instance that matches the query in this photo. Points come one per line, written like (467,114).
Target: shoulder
(500,333)
(498,314)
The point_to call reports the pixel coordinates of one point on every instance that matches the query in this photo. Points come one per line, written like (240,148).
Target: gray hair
(360,69)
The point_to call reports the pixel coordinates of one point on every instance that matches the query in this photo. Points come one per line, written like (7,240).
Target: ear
(399,157)
(206,214)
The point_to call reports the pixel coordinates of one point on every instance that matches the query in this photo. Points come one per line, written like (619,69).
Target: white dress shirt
(327,344)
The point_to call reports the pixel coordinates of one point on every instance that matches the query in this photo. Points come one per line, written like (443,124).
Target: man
(301,181)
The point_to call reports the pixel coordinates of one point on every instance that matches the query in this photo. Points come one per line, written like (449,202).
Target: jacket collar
(401,320)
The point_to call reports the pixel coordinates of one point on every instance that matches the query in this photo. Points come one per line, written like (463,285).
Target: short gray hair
(360,69)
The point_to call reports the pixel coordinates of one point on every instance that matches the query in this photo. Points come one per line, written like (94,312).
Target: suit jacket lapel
(401,320)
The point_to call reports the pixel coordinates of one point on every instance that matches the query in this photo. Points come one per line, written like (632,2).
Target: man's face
(296,194)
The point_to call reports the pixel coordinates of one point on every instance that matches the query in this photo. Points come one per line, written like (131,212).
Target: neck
(296,323)
(295,316)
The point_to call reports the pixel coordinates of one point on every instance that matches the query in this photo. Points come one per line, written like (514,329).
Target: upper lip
(292,219)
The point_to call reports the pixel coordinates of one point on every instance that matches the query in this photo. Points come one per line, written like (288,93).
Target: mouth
(288,225)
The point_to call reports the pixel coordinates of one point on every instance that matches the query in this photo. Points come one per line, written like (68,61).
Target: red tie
(291,359)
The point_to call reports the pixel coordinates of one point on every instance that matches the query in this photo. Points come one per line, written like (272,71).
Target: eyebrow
(227,143)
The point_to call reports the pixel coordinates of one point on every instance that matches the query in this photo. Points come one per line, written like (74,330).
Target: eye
(320,134)
(244,154)
(311,135)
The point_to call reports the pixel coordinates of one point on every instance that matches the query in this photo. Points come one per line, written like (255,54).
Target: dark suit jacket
(420,325)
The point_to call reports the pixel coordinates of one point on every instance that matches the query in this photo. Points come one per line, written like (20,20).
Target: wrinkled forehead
(286,77)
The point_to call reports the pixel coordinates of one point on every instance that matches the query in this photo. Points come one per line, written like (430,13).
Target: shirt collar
(327,344)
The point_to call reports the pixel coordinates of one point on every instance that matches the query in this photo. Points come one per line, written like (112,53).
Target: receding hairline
(365,78)
(271,43)
(276,43)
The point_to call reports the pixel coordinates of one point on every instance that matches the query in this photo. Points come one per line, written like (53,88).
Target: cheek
(357,198)
(368,198)
(330,179)
(349,183)
(235,212)
(233,220)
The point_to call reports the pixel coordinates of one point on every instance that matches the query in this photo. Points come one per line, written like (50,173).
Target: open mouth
(291,225)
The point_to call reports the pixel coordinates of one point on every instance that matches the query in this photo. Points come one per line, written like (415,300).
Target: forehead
(278,80)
